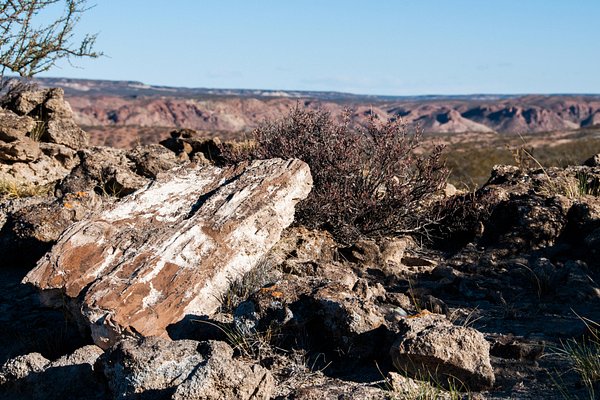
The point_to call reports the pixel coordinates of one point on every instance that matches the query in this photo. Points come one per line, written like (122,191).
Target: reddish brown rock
(122,113)
(172,248)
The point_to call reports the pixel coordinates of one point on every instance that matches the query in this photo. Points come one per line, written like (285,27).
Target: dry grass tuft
(10,189)
(584,357)
(240,289)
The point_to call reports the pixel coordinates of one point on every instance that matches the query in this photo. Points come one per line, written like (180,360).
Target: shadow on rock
(197,327)
(28,326)
(75,382)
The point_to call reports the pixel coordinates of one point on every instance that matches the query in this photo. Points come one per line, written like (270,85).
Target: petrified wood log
(170,249)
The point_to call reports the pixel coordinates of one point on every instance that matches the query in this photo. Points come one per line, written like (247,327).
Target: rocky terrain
(143,114)
(156,273)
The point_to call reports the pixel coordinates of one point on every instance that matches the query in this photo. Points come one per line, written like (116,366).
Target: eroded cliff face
(518,115)
(139,110)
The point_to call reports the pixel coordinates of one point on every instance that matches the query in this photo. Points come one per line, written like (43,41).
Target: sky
(383,47)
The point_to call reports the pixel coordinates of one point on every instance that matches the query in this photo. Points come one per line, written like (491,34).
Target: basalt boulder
(72,376)
(155,368)
(429,347)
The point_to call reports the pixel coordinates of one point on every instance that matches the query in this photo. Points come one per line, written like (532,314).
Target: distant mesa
(135,110)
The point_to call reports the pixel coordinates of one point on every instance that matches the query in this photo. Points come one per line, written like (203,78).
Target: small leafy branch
(29,44)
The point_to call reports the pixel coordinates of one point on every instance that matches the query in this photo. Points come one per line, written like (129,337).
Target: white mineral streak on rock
(152,297)
(172,248)
(166,197)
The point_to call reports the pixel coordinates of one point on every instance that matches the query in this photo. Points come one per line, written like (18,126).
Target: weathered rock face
(336,312)
(170,249)
(183,369)
(222,377)
(21,366)
(152,364)
(49,106)
(97,104)
(31,162)
(32,227)
(432,345)
(117,172)
(103,169)
(14,127)
(300,250)
(45,222)
(38,137)
(521,209)
(23,150)
(150,160)
(55,163)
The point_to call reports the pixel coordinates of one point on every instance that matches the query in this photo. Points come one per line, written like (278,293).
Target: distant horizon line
(325,91)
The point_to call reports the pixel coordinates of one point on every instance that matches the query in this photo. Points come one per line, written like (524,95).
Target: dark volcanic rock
(155,368)
(431,346)
(152,159)
(70,377)
(117,172)
(107,171)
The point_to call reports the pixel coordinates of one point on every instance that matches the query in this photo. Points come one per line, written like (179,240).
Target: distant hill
(134,107)
(134,88)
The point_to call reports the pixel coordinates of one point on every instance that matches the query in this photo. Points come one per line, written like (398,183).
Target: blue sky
(388,47)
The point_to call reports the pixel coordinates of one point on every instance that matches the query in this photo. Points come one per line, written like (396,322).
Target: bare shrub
(461,218)
(368,181)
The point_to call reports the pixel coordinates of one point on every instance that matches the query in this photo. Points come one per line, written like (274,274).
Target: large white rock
(171,249)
